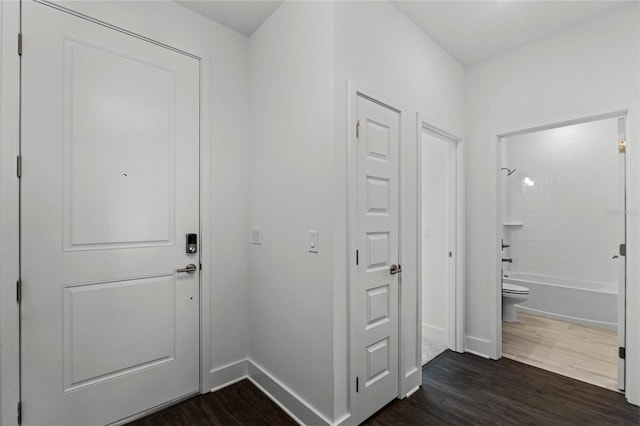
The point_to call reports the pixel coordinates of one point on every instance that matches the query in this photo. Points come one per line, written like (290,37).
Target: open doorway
(440,244)
(563,235)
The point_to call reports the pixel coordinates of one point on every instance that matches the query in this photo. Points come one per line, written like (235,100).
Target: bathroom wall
(588,69)
(566,193)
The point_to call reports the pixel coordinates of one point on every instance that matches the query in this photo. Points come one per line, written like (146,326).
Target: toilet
(511,295)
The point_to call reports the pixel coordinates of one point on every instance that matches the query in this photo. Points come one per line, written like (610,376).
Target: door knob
(395,269)
(190,268)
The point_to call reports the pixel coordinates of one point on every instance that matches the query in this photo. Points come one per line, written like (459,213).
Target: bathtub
(584,302)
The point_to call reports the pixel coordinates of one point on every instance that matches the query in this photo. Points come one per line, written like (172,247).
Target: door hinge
(622,353)
(200,266)
(19,412)
(357,257)
(450,254)
(623,249)
(357,384)
(357,129)
(19,44)
(19,291)
(622,146)
(19,166)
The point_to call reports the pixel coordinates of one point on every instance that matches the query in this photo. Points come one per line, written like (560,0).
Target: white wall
(225,109)
(380,48)
(290,302)
(435,236)
(567,192)
(588,69)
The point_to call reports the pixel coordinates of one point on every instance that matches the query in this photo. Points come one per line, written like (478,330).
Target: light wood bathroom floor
(583,353)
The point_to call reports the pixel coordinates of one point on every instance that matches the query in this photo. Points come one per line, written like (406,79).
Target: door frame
(456,293)
(354,90)
(9,217)
(10,26)
(627,112)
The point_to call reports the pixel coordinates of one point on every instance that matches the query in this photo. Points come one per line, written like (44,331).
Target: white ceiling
(475,30)
(470,30)
(244,16)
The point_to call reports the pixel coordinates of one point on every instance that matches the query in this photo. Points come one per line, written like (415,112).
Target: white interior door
(110,154)
(376,293)
(622,259)
(438,236)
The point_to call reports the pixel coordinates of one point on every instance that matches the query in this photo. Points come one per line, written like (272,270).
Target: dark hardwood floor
(458,389)
(239,404)
(464,389)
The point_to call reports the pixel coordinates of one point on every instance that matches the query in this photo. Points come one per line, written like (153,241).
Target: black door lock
(192,244)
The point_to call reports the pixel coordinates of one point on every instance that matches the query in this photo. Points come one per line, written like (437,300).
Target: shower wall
(562,208)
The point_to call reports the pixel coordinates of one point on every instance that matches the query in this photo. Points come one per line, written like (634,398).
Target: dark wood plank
(239,404)
(458,389)
(463,389)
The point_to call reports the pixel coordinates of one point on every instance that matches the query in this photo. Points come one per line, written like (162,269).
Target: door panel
(376,303)
(106,318)
(120,147)
(110,147)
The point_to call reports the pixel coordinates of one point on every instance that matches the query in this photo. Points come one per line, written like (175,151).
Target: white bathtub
(583,302)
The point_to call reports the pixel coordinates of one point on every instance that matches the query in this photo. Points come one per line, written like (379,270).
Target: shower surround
(563,215)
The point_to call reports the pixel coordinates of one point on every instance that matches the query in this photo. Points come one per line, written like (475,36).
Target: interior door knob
(395,269)
(190,268)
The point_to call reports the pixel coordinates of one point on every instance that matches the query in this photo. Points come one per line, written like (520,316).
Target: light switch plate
(256,236)
(313,241)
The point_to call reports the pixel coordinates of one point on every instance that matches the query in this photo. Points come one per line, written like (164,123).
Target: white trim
(435,332)
(477,346)
(567,318)
(456,303)
(344,420)
(412,391)
(632,364)
(494,349)
(205,227)
(295,406)
(354,90)
(9,128)
(229,374)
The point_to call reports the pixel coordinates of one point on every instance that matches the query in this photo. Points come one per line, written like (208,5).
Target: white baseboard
(300,410)
(229,374)
(345,420)
(438,333)
(291,403)
(477,346)
(590,323)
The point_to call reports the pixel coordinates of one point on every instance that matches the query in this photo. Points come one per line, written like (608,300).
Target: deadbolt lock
(191,243)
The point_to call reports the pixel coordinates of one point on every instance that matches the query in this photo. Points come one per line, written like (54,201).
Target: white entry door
(109,187)
(375,302)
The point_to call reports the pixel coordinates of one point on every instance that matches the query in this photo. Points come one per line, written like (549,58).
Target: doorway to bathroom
(562,226)
(441,242)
